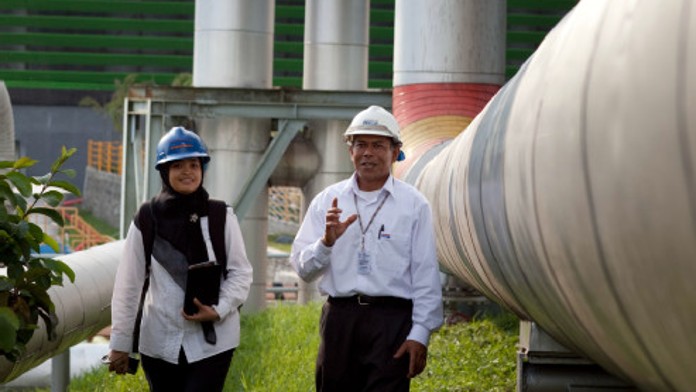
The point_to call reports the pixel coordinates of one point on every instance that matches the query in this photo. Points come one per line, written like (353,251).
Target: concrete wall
(102,194)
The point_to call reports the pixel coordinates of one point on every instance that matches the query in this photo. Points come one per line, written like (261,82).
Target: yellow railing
(79,234)
(105,156)
(76,234)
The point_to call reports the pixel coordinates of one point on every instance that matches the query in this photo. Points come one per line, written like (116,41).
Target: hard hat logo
(374,120)
(178,144)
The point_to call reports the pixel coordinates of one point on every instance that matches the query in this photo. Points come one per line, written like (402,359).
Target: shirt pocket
(394,253)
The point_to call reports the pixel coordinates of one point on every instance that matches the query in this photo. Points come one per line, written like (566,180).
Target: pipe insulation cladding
(83,307)
(571,198)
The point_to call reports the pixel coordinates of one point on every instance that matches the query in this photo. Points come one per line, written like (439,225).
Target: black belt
(366,300)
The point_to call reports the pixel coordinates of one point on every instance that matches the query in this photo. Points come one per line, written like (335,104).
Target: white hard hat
(374,120)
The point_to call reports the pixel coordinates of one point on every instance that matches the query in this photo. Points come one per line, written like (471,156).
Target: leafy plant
(114,108)
(28,276)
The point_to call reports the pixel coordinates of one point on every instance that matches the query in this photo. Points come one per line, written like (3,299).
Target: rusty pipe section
(571,198)
(83,307)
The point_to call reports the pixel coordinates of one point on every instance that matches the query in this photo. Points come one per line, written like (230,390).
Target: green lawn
(279,345)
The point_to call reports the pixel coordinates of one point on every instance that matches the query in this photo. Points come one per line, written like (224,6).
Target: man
(371,240)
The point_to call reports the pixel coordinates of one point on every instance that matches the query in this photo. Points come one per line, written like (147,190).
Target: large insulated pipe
(571,198)
(83,307)
(336,43)
(233,47)
(7,133)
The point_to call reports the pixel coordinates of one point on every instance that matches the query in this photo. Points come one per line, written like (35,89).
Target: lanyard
(364,230)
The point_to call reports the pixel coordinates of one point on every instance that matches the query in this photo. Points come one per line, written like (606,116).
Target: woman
(179,351)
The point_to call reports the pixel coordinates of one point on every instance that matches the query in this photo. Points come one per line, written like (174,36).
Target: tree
(114,107)
(28,276)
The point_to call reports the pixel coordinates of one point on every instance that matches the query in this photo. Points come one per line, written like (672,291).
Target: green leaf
(43,300)
(64,155)
(23,162)
(43,179)
(15,271)
(49,212)
(69,172)
(35,274)
(68,152)
(5,285)
(6,193)
(51,320)
(65,185)
(36,232)
(52,198)
(20,204)
(60,267)
(9,323)
(21,182)
(6,164)
(50,241)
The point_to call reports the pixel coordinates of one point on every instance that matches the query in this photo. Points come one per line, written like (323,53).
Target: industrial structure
(566,194)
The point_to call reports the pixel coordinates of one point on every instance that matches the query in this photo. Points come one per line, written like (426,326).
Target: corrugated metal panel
(87,44)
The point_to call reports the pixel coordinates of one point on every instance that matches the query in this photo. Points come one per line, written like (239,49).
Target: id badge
(364,266)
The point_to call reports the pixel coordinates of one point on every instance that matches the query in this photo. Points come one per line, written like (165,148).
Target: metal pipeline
(571,198)
(83,307)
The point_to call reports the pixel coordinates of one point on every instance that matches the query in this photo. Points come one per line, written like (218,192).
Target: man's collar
(352,185)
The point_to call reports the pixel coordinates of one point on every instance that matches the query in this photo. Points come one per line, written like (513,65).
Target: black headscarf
(177,218)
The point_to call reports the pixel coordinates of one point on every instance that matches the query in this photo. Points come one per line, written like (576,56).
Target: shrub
(24,287)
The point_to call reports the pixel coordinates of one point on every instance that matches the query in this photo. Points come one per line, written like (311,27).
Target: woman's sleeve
(234,290)
(130,277)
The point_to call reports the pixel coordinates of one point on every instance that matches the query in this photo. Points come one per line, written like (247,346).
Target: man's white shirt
(399,242)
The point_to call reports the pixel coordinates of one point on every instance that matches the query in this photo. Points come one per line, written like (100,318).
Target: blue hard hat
(178,144)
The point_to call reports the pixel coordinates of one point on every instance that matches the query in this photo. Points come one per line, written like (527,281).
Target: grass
(100,225)
(282,246)
(279,346)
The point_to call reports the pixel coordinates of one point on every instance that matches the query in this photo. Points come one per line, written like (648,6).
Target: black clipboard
(202,282)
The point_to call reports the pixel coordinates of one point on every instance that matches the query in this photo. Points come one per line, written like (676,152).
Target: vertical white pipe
(7,133)
(449,60)
(336,47)
(449,41)
(233,43)
(336,44)
(233,47)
